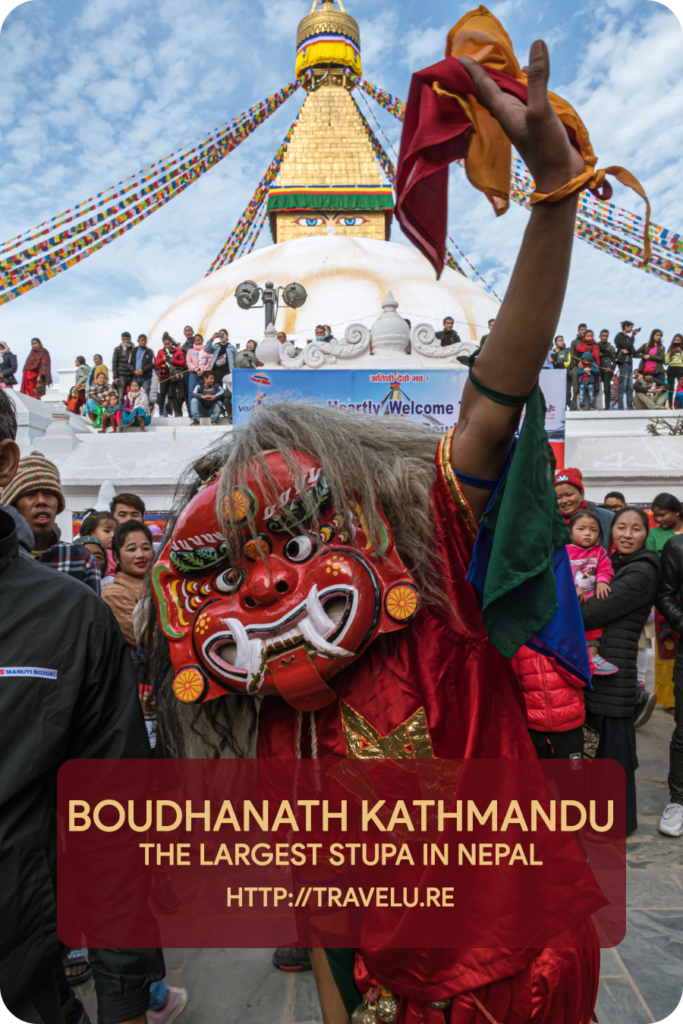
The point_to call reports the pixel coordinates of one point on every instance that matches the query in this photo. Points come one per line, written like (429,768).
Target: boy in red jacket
(554,704)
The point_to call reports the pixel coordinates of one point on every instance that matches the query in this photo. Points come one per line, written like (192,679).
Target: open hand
(534,129)
(602,590)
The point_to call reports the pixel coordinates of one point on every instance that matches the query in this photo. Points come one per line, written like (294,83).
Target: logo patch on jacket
(26,670)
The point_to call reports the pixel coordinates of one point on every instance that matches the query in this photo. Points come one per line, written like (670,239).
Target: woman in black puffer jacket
(611,703)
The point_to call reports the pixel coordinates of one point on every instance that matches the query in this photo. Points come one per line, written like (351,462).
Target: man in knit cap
(36,493)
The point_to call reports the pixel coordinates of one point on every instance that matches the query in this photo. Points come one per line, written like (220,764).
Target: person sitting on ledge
(206,399)
(110,412)
(99,394)
(648,393)
(135,410)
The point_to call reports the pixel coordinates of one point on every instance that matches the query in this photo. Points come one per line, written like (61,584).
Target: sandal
(75,959)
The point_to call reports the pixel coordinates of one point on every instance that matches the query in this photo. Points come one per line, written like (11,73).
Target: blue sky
(93,90)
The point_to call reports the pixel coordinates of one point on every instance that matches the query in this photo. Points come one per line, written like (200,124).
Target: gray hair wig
(368,459)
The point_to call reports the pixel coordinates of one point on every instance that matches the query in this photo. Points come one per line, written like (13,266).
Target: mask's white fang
(317,614)
(310,633)
(250,655)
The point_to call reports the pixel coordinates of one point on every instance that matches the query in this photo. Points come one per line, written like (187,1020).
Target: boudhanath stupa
(327,200)
(330,217)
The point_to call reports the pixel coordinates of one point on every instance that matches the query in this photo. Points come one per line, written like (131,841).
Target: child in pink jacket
(592,571)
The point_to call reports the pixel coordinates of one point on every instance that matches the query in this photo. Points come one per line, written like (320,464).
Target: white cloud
(93,90)
(425,46)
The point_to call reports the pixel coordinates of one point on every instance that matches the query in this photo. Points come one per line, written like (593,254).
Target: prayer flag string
(35,256)
(242,237)
(392,104)
(613,230)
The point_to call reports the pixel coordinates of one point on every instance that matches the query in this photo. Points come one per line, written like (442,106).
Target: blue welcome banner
(428,396)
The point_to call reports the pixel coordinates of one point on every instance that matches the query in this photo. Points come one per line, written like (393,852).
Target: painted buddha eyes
(231,580)
(316,222)
(301,548)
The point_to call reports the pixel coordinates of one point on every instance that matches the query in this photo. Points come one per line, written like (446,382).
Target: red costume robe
(445,691)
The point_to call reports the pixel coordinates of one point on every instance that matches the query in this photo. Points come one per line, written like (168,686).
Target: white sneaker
(671,822)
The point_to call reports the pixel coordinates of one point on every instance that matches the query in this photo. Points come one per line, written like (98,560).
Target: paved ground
(641,980)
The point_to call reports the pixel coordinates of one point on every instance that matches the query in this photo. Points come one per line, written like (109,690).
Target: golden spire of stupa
(328,35)
(330,181)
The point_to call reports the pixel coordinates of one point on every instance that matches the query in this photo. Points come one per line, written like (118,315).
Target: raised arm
(516,348)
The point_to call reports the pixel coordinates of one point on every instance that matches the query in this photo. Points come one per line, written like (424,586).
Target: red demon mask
(302,601)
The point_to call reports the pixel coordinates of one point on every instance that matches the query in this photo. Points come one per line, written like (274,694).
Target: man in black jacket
(624,343)
(68,691)
(448,336)
(607,354)
(669,604)
(123,364)
(144,364)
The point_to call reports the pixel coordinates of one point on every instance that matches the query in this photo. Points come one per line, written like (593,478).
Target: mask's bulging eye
(230,581)
(300,549)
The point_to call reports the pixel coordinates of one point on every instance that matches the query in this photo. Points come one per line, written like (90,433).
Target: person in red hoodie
(588,345)
(554,704)
(170,366)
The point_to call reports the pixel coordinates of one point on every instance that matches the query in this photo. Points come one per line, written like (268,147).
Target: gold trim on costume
(459,499)
(409,739)
(409,744)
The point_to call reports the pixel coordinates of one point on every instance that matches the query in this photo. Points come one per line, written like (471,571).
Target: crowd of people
(627,563)
(605,375)
(194,376)
(191,377)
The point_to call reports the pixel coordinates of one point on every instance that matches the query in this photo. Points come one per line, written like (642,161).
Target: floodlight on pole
(248,294)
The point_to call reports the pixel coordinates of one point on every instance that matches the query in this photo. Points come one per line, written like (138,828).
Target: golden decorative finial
(328,37)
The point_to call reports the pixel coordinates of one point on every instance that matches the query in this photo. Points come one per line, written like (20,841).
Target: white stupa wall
(346,280)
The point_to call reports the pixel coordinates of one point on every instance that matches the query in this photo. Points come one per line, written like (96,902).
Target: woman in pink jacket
(554,704)
(198,362)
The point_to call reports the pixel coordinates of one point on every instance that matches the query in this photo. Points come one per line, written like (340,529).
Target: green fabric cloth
(657,538)
(341,965)
(527,529)
(499,397)
(330,201)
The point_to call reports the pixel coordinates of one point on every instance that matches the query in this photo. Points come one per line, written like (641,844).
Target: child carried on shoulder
(592,572)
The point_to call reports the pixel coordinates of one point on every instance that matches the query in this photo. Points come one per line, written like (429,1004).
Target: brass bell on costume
(387,1007)
(364,1014)
(441,1004)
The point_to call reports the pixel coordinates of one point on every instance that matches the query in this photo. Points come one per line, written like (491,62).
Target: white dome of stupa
(347,280)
